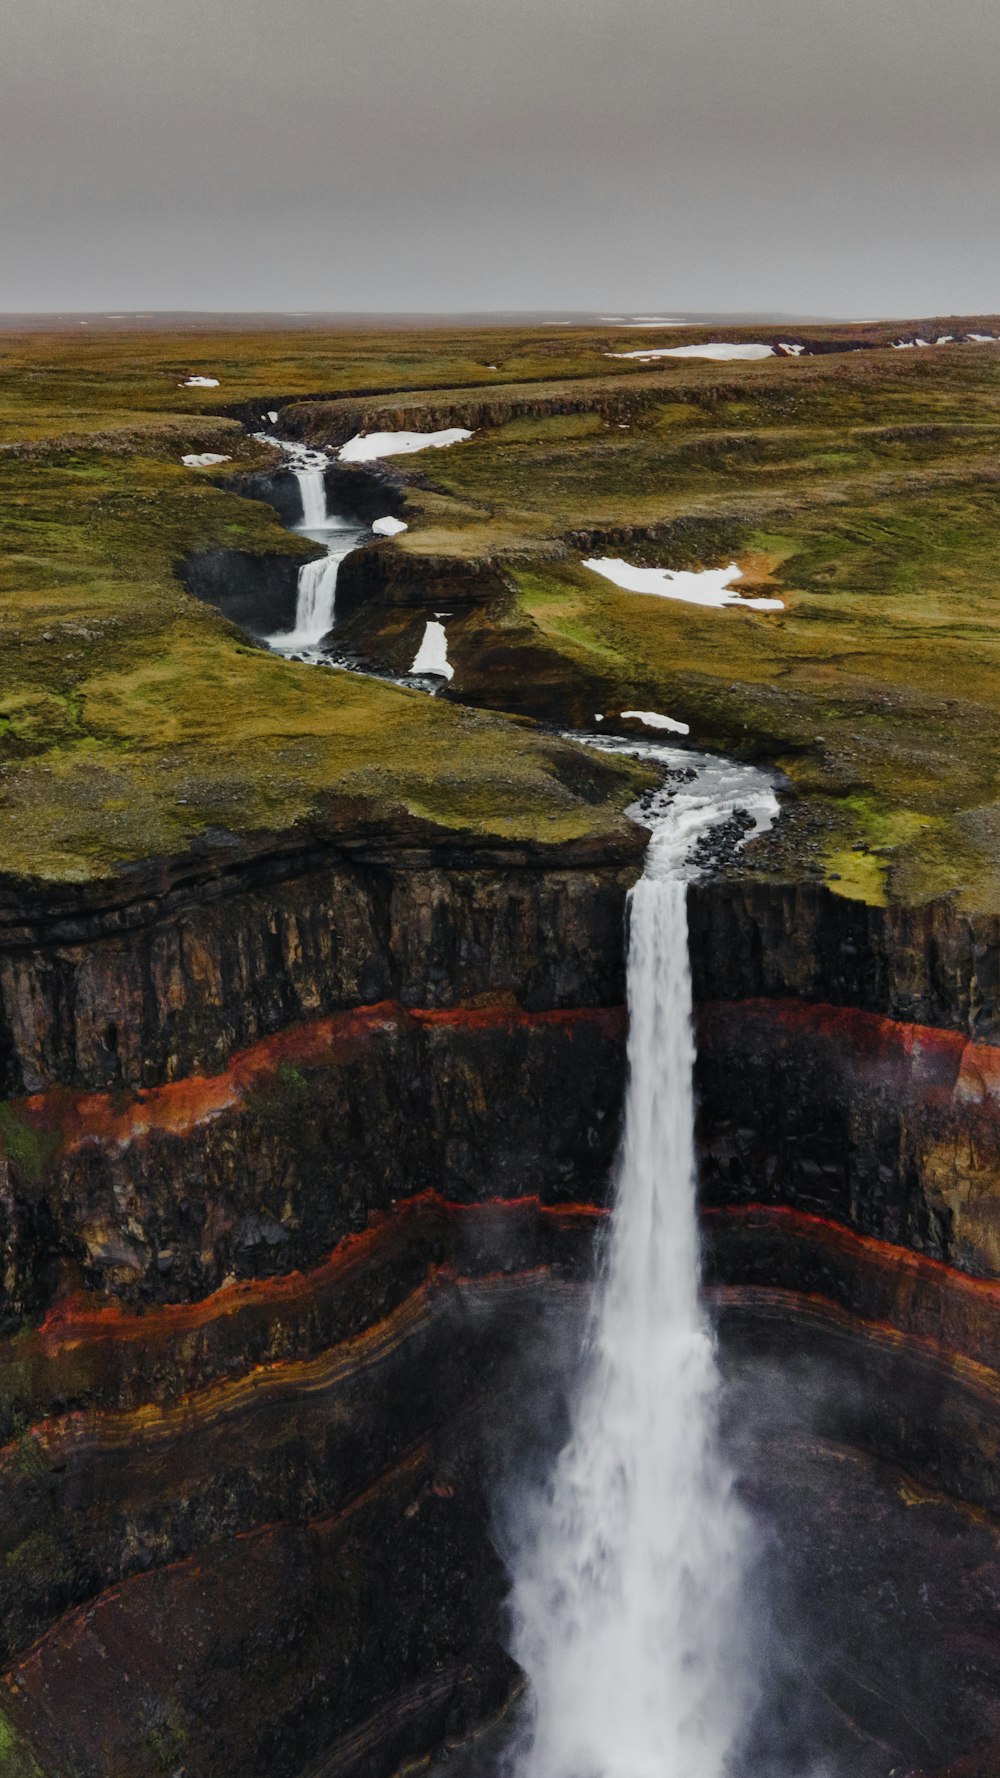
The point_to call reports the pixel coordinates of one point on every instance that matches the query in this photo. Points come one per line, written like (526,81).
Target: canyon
(308,1130)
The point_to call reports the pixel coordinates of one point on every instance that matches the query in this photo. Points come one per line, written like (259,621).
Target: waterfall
(626,1592)
(312,489)
(309,468)
(317,591)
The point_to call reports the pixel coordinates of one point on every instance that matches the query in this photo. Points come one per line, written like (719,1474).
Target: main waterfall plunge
(626,1591)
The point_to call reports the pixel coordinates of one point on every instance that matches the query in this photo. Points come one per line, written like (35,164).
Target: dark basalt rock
(158,987)
(257,592)
(386,577)
(932,965)
(362,491)
(259,1172)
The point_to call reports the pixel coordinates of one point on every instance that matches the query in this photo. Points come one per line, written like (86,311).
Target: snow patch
(653,719)
(363,447)
(202,459)
(432,655)
(720,349)
(705,586)
(388,527)
(200,383)
(790,351)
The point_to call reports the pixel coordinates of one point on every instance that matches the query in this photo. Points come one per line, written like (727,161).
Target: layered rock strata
(289,1152)
(297,1148)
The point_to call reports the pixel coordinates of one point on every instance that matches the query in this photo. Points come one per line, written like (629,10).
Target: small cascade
(312,489)
(317,592)
(314,609)
(627,1590)
(317,582)
(309,468)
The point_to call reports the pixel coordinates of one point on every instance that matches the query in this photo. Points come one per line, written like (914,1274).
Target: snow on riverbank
(389,527)
(203,459)
(364,447)
(653,719)
(705,586)
(432,655)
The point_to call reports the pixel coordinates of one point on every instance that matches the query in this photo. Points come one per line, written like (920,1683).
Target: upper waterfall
(312,488)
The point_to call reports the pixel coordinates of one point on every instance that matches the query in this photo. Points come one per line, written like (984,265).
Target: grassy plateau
(858,482)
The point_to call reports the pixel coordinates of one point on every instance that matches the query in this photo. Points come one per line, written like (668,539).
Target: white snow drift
(365,446)
(704,586)
(715,349)
(432,655)
(653,719)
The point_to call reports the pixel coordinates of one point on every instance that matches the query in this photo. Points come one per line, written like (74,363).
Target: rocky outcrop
(385,577)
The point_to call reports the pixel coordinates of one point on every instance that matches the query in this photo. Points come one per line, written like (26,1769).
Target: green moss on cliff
(29,1149)
(16,1757)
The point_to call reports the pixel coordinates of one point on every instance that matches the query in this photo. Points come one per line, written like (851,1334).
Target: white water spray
(626,1594)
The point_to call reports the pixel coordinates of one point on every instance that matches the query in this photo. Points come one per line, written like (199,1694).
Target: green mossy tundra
(860,486)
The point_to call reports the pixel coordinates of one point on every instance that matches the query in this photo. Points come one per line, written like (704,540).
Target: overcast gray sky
(819,156)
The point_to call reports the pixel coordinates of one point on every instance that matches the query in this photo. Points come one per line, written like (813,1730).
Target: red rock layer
(122,1116)
(93,1352)
(888,1127)
(939,1065)
(756,1247)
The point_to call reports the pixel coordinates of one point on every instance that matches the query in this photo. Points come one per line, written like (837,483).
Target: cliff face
(297,1146)
(929,965)
(133,989)
(291,1143)
(258,593)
